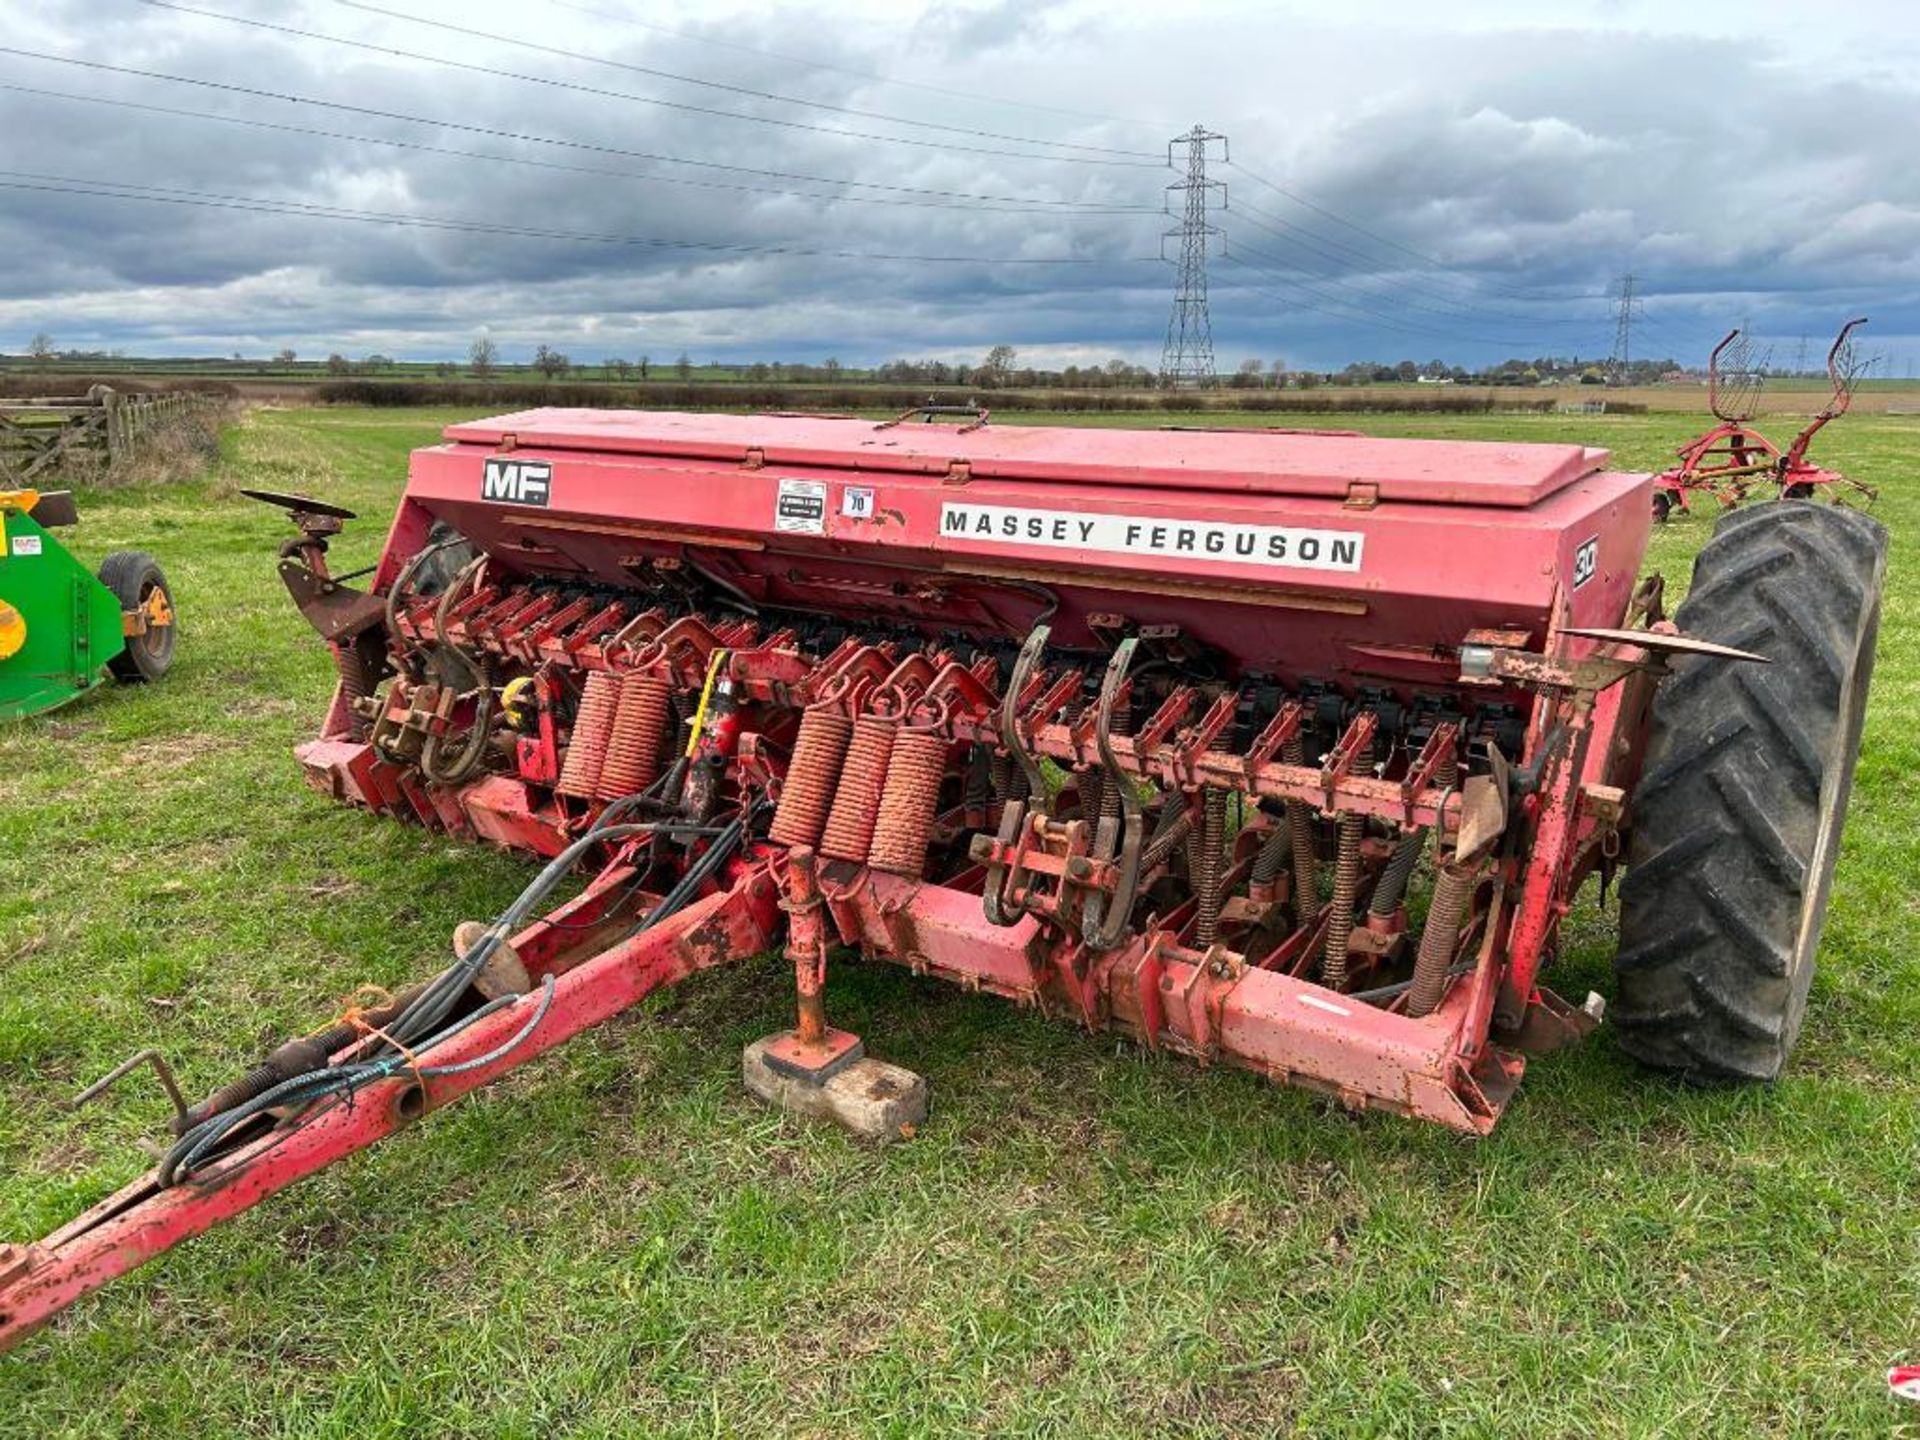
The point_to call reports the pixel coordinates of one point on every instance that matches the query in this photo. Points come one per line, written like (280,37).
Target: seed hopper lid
(1248,461)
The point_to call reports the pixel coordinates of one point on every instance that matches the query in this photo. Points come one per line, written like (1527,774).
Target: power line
(1429,261)
(549,82)
(870,76)
(422,146)
(371,112)
(200,199)
(1246,212)
(750,92)
(1365,321)
(1187,356)
(1283,275)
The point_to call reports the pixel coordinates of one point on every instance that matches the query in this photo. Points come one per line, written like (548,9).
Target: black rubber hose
(296,1057)
(412,1017)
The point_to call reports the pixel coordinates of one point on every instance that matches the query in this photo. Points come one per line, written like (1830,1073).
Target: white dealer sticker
(1151,538)
(26,544)
(801,508)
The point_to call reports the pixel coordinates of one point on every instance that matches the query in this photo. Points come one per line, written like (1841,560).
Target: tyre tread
(1727,812)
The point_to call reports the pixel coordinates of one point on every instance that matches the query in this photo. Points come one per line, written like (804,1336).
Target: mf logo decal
(1586,561)
(517,482)
(1154,537)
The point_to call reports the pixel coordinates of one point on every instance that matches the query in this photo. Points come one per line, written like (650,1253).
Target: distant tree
(550,362)
(1278,370)
(338,364)
(683,367)
(623,369)
(646,364)
(482,356)
(375,363)
(1307,379)
(999,364)
(831,368)
(286,356)
(446,369)
(1247,377)
(40,347)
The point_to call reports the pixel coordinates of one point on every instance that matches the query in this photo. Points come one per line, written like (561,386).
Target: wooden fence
(102,428)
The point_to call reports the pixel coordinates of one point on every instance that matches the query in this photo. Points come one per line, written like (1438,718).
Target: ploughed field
(1083,1240)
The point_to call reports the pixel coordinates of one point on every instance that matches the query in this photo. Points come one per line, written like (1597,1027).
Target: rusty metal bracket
(125,1068)
(336,611)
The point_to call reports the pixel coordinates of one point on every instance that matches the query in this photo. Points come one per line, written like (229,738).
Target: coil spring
(587,746)
(639,729)
(1346,882)
(1392,888)
(856,801)
(1168,831)
(1000,775)
(1020,788)
(908,804)
(1210,855)
(1091,787)
(359,678)
(818,751)
(1438,939)
(1110,792)
(1269,858)
(1306,878)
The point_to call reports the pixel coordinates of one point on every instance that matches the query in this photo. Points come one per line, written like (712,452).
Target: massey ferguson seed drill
(1284,751)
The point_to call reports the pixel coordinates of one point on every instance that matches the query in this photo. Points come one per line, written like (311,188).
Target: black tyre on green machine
(136,579)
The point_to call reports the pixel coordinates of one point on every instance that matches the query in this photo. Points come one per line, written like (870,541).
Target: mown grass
(1084,1240)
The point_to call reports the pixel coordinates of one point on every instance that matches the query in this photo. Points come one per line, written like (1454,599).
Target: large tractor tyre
(1737,816)
(137,582)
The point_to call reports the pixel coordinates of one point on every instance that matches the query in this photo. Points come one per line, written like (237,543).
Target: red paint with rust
(702,552)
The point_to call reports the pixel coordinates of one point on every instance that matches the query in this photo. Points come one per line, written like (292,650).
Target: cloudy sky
(869,180)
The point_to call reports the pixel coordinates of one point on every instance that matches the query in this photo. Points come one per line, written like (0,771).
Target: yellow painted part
(21,500)
(706,694)
(13,630)
(517,701)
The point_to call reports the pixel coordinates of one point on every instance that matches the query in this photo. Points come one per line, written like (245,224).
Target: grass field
(1083,1241)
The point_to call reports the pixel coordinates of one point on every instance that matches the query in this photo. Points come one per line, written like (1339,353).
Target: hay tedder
(1732,459)
(1280,751)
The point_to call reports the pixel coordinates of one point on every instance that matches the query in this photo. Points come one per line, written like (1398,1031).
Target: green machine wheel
(62,630)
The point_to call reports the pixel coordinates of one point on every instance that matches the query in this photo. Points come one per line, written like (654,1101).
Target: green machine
(62,630)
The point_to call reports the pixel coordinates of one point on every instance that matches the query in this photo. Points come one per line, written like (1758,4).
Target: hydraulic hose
(416,1020)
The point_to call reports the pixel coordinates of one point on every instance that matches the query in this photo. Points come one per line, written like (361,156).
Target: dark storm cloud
(1534,168)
